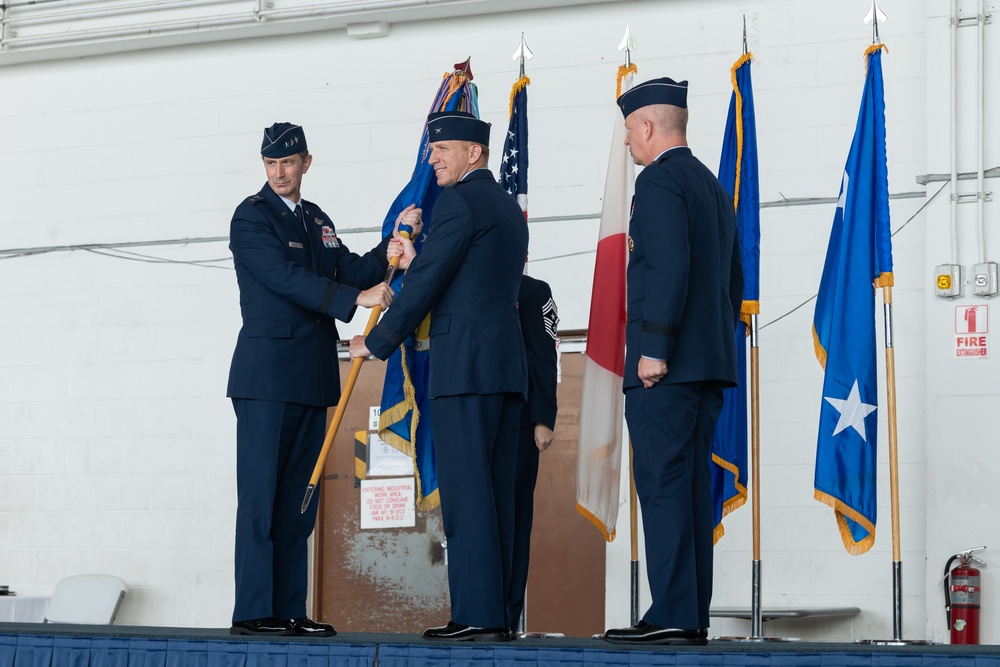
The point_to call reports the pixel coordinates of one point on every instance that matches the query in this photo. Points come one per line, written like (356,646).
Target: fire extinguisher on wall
(962,596)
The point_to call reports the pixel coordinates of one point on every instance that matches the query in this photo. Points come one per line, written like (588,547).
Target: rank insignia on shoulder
(631,245)
(253,199)
(330,239)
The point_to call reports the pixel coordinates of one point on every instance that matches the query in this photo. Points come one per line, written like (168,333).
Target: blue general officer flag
(858,259)
(738,175)
(404,421)
(514,164)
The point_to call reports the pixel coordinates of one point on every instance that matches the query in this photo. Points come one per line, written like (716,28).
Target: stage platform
(37,645)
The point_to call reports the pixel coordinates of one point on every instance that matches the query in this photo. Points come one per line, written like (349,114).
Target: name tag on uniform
(295,244)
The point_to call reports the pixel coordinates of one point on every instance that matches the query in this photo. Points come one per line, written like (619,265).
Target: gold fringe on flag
(398,412)
(749,308)
(872,49)
(519,85)
(594,520)
(734,503)
(841,510)
(884,280)
(746,57)
(818,347)
(623,70)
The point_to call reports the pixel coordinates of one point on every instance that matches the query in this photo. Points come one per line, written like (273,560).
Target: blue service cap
(656,91)
(282,140)
(457,126)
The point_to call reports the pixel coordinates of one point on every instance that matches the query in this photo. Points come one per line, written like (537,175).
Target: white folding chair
(89,599)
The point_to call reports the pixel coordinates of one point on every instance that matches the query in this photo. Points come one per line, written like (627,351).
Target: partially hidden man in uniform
(295,276)
(685,286)
(467,276)
(539,326)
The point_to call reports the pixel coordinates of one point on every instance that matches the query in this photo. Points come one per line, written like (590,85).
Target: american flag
(514,168)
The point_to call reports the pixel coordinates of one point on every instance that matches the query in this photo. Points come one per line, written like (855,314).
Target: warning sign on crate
(384,460)
(972,332)
(387,503)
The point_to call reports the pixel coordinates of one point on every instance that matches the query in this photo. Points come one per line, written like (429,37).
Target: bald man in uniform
(685,288)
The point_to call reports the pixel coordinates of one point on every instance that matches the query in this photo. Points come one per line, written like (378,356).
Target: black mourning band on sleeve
(659,329)
(324,303)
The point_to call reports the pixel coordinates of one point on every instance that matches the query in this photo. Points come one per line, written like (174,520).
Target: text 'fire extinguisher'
(962,593)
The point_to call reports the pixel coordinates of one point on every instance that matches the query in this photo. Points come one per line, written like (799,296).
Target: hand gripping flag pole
(404,417)
(352,378)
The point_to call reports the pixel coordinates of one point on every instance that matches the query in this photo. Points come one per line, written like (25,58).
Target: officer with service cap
(295,277)
(467,276)
(685,288)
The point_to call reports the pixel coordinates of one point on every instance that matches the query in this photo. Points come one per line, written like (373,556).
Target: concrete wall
(116,439)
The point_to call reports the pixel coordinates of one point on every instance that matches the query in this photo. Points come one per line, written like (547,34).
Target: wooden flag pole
(875,15)
(628,44)
(756,615)
(897,564)
(755,605)
(345,394)
(890,389)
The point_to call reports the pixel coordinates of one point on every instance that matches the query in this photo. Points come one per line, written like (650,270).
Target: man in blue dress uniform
(685,287)
(539,326)
(295,276)
(467,276)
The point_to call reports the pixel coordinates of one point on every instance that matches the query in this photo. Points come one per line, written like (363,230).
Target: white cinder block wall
(116,439)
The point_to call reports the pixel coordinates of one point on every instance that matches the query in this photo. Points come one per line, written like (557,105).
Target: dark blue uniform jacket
(539,320)
(463,277)
(673,251)
(291,289)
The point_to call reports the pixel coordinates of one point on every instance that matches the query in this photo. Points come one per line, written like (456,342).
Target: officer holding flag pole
(467,276)
(295,278)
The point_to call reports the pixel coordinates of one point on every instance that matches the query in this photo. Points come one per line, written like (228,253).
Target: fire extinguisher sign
(972,332)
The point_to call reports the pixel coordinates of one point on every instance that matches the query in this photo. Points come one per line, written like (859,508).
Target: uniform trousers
(475,449)
(277,445)
(671,427)
(524,506)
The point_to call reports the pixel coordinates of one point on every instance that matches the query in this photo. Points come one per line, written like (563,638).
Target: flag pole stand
(755,592)
(633,524)
(897,564)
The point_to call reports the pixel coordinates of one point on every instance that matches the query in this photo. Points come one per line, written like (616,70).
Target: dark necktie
(300,214)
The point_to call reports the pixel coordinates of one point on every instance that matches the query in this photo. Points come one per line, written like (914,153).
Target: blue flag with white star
(858,259)
(514,165)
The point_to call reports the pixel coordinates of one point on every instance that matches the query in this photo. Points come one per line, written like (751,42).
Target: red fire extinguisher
(962,596)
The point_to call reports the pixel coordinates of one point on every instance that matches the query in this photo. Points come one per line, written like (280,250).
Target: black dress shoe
(644,633)
(457,632)
(262,626)
(310,628)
